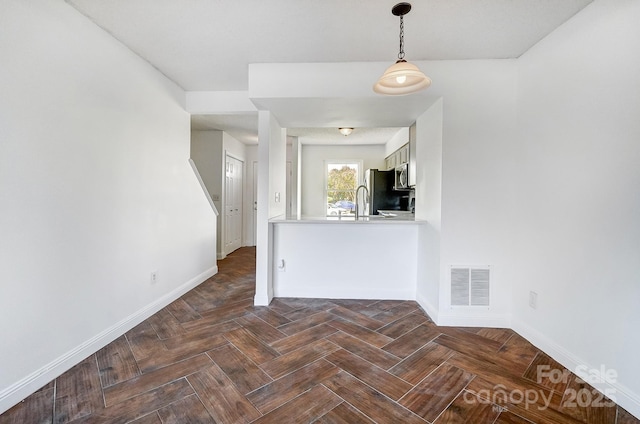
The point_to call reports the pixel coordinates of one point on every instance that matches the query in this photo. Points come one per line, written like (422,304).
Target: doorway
(233,210)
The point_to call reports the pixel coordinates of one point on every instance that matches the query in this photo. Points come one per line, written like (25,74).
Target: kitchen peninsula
(373,257)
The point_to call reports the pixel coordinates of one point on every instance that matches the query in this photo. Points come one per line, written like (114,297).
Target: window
(341,182)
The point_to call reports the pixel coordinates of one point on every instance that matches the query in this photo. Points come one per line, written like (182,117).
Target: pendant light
(402,77)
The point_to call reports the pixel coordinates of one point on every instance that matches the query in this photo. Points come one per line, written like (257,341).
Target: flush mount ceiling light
(345,131)
(402,77)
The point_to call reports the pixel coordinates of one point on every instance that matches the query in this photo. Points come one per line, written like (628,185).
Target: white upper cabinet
(397,158)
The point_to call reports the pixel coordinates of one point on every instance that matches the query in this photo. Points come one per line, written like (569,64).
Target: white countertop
(407,218)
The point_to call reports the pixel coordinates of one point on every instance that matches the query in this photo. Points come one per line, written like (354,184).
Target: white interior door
(234,171)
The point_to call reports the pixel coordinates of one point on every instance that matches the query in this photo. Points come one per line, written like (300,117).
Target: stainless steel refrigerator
(381,193)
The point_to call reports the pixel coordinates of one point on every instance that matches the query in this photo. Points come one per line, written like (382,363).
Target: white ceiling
(207,45)
(242,127)
(236,125)
(379,135)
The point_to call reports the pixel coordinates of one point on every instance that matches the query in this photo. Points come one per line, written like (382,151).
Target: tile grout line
(126,338)
(506,341)
(55,395)
(323,357)
(381,394)
(347,402)
(369,344)
(195,392)
(392,322)
(454,399)
(281,405)
(422,379)
(104,399)
(249,359)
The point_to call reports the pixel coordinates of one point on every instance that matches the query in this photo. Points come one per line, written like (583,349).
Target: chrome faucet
(366,196)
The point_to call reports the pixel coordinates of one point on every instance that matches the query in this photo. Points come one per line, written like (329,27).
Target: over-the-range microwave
(402,177)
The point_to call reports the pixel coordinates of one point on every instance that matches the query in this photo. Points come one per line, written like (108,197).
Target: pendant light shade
(402,77)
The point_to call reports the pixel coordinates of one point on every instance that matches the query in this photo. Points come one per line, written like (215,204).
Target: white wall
(313,171)
(477,184)
(578,205)
(207,153)
(271,180)
(296,174)
(478,103)
(397,141)
(233,147)
(277,169)
(345,260)
(429,208)
(97,192)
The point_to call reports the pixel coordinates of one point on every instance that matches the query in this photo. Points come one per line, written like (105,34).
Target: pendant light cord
(402,77)
(401,53)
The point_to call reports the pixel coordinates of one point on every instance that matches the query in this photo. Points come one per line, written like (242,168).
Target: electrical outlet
(154,277)
(277,197)
(533,299)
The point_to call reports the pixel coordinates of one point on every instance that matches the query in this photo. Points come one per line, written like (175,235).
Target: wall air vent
(470,286)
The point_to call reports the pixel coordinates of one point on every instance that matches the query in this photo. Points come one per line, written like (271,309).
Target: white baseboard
(428,307)
(621,394)
(344,293)
(261,300)
(471,318)
(28,385)
(460,317)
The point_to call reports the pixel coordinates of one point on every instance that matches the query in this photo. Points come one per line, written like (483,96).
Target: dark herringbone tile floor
(212,357)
